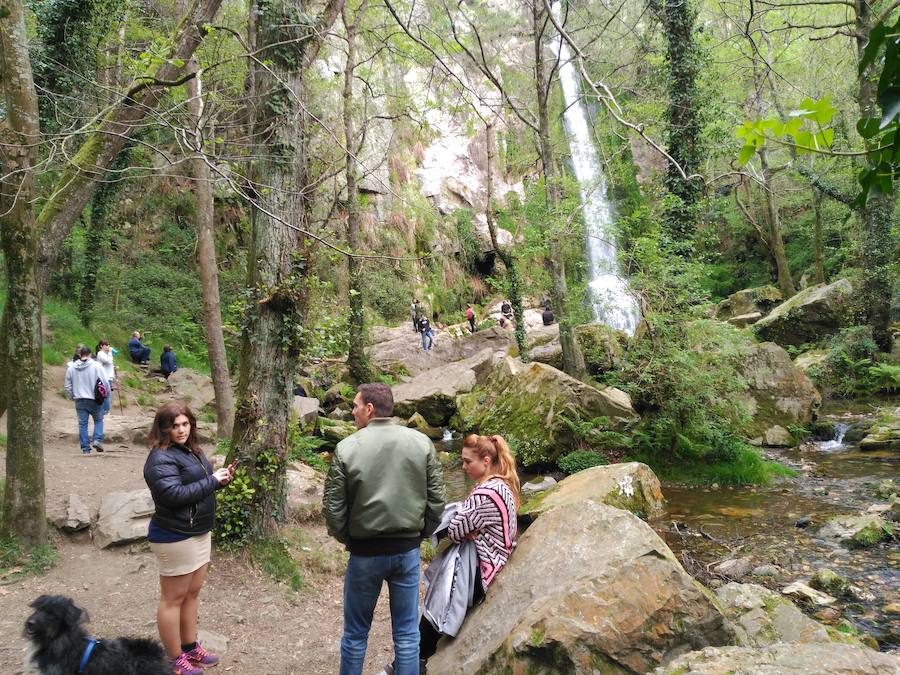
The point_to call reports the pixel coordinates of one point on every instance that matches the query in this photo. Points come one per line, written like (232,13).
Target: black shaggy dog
(59,642)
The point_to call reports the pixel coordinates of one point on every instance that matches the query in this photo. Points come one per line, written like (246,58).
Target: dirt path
(269,628)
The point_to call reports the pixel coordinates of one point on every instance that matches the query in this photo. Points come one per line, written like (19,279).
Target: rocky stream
(770,535)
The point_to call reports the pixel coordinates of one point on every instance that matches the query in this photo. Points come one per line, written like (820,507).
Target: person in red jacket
(470,317)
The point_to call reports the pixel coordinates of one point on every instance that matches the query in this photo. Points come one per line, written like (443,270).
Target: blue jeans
(426,335)
(84,408)
(107,402)
(362,584)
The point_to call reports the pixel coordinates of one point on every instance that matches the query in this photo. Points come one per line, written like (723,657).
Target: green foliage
(684,381)
(303,448)
(273,556)
(883,378)
(469,246)
(326,335)
(579,460)
(233,504)
(388,292)
(845,372)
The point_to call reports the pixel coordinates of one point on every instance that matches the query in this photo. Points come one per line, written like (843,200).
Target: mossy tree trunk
(357,361)
(23,499)
(286,42)
(508,259)
(683,122)
(878,213)
(209,271)
(573,360)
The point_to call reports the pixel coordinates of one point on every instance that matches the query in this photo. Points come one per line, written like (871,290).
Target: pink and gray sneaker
(201,657)
(183,666)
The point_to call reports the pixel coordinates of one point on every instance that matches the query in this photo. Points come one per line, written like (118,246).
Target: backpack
(100,392)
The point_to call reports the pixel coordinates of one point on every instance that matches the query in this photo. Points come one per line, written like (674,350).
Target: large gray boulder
(762,617)
(70,514)
(124,517)
(532,406)
(749,301)
(778,395)
(433,393)
(631,486)
(589,588)
(402,353)
(809,316)
(785,659)
(307,410)
(305,486)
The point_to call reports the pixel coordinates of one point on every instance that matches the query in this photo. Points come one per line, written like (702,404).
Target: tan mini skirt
(183,557)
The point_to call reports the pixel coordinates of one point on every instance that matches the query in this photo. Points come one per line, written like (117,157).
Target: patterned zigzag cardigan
(490,512)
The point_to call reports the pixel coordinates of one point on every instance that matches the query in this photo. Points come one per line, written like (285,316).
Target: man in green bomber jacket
(383,494)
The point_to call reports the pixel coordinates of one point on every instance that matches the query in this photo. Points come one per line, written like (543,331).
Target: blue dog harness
(87,654)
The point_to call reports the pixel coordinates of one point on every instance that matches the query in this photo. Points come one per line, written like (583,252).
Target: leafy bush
(304,448)
(580,460)
(845,372)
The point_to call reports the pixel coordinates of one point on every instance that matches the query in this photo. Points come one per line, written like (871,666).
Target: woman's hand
(223,475)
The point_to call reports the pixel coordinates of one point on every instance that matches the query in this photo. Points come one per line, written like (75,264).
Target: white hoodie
(106,360)
(81,377)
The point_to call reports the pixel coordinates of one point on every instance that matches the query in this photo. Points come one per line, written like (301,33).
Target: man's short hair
(84,351)
(380,396)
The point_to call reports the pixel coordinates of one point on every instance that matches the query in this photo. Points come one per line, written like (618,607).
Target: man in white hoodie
(81,377)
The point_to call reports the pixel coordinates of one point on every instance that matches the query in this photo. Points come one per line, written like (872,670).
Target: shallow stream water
(759,522)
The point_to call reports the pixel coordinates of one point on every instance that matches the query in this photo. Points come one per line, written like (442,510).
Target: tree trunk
(209,271)
(683,123)
(878,212)
(817,236)
(785,281)
(277,262)
(573,360)
(357,361)
(509,260)
(23,499)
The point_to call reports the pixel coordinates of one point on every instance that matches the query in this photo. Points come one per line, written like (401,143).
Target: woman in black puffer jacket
(183,486)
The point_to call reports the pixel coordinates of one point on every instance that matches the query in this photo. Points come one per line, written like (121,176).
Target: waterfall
(838,442)
(612,302)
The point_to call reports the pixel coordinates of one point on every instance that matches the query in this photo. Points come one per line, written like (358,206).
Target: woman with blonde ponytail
(487,517)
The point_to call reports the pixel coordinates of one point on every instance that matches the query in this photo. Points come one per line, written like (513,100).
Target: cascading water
(612,302)
(837,443)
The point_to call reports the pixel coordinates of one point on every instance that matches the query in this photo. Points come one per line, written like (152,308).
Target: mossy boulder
(809,316)
(829,581)
(334,431)
(857,531)
(778,393)
(884,434)
(420,424)
(749,301)
(602,347)
(631,486)
(534,405)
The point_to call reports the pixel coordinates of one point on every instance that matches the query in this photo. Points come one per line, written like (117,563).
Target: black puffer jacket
(182,486)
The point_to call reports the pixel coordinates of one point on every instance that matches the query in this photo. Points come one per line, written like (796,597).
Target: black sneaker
(98,447)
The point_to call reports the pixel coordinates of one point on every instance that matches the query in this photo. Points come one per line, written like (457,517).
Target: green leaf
(876,39)
(889,102)
(867,127)
(746,154)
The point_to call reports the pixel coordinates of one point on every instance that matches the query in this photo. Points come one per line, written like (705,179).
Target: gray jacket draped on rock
(450,581)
